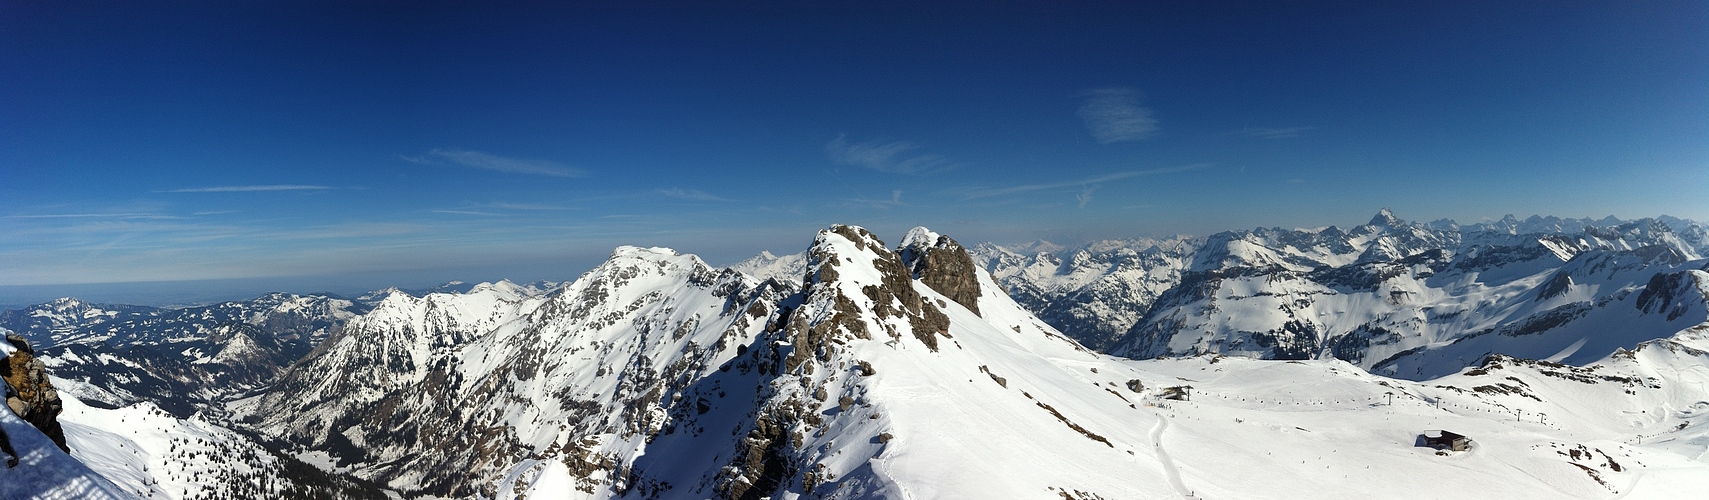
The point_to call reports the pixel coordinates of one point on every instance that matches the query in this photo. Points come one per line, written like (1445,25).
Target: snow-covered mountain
(655,375)
(183,359)
(445,393)
(907,372)
(860,370)
(785,269)
(1095,293)
(1407,299)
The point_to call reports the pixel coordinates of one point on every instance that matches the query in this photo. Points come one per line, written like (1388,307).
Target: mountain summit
(1385,218)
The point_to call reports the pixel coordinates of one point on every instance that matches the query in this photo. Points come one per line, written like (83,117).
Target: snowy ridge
(1387,295)
(581,375)
(148,453)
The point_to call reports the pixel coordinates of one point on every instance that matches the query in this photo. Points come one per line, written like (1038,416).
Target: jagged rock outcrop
(855,289)
(942,264)
(32,397)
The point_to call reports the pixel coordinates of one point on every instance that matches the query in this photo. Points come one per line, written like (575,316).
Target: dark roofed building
(1178,393)
(1445,440)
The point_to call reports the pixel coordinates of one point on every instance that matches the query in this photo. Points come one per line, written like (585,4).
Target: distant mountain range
(1413,300)
(1245,363)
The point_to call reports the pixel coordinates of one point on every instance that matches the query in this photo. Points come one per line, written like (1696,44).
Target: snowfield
(45,472)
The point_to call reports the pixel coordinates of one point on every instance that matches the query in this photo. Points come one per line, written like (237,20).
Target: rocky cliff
(942,264)
(31,396)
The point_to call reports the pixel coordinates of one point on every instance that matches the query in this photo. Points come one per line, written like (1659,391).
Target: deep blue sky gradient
(409,143)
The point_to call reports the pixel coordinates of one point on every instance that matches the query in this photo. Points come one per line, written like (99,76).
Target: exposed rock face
(942,264)
(855,289)
(32,397)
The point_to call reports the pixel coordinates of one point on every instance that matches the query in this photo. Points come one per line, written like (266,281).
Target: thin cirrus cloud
(894,201)
(896,157)
(691,194)
(496,163)
(529,206)
(1114,115)
(95,216)
(1086,195)
(1273,133)
(251,189)
(468,212)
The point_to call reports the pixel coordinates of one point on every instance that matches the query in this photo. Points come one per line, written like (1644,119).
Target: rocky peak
(847,264)
(1386,218)
(942,264)
(64,303)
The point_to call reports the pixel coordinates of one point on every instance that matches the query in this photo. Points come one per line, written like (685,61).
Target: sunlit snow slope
(45,472)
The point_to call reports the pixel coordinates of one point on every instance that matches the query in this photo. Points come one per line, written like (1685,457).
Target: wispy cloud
(1085,195)
(468,212)
(691,194)
(95,216)
(1023,188)
(1114,115)
(897,157)
(477,159)
(894,201)
(1272,133)
(251,189)
(529,206)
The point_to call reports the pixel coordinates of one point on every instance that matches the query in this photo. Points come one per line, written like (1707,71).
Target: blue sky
(385,143)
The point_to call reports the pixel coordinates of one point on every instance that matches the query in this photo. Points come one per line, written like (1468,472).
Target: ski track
(1629,487)
(1163,457)
(508,491)
(901,489)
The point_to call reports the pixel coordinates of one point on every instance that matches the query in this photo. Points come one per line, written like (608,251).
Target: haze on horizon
(370,144)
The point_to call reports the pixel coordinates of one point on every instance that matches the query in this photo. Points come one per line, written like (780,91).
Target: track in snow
(1168,463)
(508,489)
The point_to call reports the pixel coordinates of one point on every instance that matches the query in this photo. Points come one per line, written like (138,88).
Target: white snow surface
(6,348)
(45,472)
